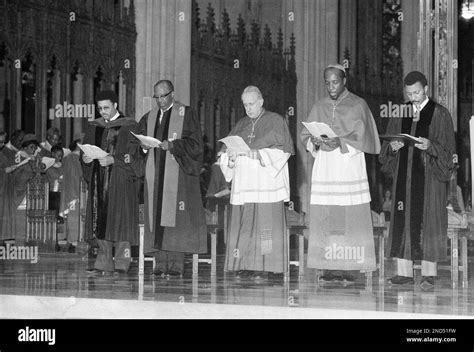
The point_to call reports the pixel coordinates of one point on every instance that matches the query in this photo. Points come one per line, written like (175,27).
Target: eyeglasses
(162,96)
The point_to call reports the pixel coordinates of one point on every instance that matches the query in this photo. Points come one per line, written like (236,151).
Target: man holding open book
(255,159)
(112,203)
(420,172)
(339,131)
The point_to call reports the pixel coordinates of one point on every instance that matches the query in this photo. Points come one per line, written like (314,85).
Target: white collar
(115,116)
(422,105)
(10,146)
(163,111)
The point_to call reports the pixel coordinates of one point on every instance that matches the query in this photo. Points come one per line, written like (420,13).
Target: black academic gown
(190,233)
(418,226)
(112,204)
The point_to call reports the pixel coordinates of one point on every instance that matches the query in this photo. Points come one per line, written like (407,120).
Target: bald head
(253,101)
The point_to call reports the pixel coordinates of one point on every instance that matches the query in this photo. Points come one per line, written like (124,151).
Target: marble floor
(57,286)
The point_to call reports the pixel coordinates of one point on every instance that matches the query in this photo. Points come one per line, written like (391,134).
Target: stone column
(56,96)
(163,49)
(410,36)
(78,98)
(348,30)
(316,30)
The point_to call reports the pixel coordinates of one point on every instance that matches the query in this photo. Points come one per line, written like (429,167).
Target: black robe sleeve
(188,150)
(439,156)
(387,157)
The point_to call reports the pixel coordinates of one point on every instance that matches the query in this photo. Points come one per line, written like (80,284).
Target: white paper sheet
(147,141)
(319,128)
(92,151)
(48,162)
(235,144)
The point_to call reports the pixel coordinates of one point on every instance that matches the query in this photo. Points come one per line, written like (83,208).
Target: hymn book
(148,141)
(235,144)
(402,137)
(319,129)
(48,162)
(92,151)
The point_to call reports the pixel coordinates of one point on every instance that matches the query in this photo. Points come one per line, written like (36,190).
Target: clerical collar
(10,146)
(169,107)
(117,114)
(422,105)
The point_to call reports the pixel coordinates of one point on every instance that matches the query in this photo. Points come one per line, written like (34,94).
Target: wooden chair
(41,223)
(295,225)
(381,228)
(216,219)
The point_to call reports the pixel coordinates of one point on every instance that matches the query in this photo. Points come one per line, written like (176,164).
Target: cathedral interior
(56,54)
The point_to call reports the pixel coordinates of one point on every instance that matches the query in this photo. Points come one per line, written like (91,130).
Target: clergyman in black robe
(420,173)
(175,221)
(112,203)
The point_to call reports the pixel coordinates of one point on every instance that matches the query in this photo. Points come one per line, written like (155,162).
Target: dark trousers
(169,261)
(106,261)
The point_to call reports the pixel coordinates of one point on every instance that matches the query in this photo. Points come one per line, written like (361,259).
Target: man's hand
(145,147)
(165,145)
(86,159)
(10,169)
(329,144)
(396,145)
(106,161)
(425,144)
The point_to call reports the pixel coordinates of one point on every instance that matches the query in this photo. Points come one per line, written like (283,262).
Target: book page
(319,128)
(92,151)
(48,161)
(236,144)
(147,141)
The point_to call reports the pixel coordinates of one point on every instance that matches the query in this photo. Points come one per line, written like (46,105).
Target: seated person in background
(71,191)
(53,138)
(54,175)
(387,204)
(15,185)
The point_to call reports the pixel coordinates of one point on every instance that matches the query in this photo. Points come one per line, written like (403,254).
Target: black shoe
(259,275)
(427,282)
(97,272)
(158,273)
(119,271)
(174,273)
(330,278)
(242,274)
(400,280)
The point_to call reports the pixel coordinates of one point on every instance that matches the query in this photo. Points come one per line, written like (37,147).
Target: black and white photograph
(237,160)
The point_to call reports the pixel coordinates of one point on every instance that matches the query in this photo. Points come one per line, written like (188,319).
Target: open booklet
(402,137)
(319,129)
(92,151)
(48,162)
(235,144)
(148,141)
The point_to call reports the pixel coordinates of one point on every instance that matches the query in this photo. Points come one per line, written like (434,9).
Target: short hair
(57,148)
(415,76)
(52,131)
(168,83)
(106,95)
(3,133)
(253,89)
(17,133)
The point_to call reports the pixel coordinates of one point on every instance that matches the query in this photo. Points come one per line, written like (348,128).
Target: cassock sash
(170,182)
